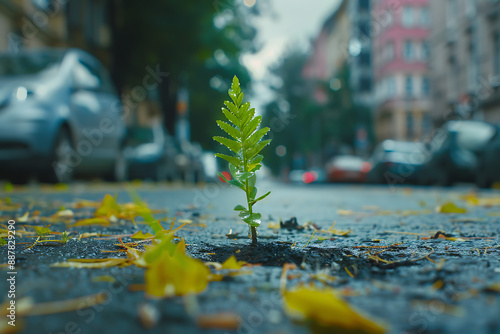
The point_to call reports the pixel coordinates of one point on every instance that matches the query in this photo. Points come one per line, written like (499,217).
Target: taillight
(365,167)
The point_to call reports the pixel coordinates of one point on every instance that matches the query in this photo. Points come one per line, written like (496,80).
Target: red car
(347,168)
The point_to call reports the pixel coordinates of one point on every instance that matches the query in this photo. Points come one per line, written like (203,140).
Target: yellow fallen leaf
(92,263)
(232,263)
(141,236)
(107,208)
(23,218)
(335,231)
(67,305)
(64,214)
(273,225)
(92,221)
(175,275)
(345,212)
(327,310)
(83,203)
(93,234)
(449,207)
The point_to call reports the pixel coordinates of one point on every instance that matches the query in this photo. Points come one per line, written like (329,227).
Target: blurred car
(347,168)
(454,152)
(488,164)
(149,154)
(314,175)
(189,161)
(210,166)
(60,115)
(397,162)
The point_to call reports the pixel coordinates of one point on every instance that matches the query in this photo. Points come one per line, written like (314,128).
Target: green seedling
(245,145)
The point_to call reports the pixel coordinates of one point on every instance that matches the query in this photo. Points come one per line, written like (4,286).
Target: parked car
(488,162)
(314,175)
(60,116)
(189,161)
(347,168)
(210,166)
(397,162)
(454,152)
(150,154)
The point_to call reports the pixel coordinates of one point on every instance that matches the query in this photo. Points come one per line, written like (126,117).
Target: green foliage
(245,144)
(200,45)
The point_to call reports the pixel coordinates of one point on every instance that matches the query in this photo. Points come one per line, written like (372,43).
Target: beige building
(465,60)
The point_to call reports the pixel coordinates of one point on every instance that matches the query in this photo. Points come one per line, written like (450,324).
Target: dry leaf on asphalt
(449,207)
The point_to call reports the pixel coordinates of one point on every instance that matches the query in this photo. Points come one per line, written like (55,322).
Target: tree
(195,42)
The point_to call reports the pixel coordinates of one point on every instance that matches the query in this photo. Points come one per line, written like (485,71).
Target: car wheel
(58,169)
(120,169)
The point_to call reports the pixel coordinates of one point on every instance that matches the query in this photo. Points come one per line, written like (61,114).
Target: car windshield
(29,63)
(348,162)
(473,135)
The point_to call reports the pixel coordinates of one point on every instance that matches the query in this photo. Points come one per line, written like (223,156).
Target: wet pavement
(402,263)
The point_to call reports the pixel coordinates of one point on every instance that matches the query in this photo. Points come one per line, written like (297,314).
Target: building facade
(465,60)
(360,64)
(400,56)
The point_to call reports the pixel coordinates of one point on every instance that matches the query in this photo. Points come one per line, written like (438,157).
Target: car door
(111,124)
(87,109)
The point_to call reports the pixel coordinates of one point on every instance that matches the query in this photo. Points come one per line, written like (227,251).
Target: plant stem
(254,234)
(252,228)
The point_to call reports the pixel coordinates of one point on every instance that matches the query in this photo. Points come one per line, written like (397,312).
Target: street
(393,254)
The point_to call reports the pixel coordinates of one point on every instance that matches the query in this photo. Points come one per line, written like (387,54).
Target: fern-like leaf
(246,143)
(231,144)
(230,130)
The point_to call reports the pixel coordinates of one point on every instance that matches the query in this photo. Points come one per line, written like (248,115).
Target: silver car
(60,116)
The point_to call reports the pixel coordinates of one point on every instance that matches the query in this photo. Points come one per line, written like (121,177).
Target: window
(85,77)
(426,123)
(424,17)
(407,19)
(408,51)
(451,13)
(470,8)
(410,125)
(473,65)
(391,87)
(389,52)
(425,50)
(425,86)
(496,53)
(409,86)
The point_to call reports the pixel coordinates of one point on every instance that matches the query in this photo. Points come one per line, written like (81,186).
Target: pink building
(400,53)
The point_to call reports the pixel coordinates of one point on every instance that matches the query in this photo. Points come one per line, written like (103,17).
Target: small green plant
(245,146)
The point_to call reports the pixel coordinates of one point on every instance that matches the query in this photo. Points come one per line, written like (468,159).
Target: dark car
(150,154)
(396,162)
(347,168)
(488,164)
(454,152)
(60,115)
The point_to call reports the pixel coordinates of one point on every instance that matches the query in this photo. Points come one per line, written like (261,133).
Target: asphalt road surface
(403,263)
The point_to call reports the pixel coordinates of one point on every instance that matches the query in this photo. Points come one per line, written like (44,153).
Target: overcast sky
(291,22)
